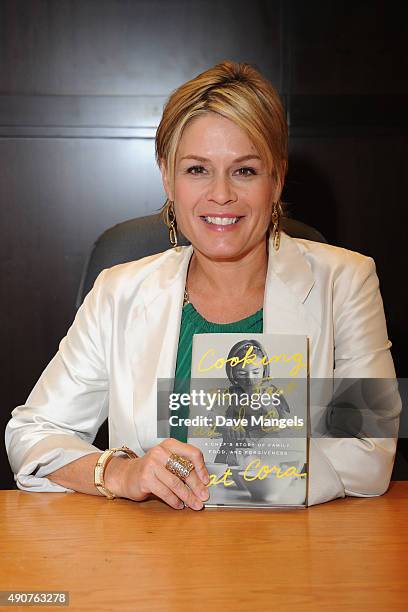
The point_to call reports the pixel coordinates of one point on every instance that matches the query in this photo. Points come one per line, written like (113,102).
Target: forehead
(212,136)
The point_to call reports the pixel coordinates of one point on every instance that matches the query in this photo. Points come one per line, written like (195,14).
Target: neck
(232,278)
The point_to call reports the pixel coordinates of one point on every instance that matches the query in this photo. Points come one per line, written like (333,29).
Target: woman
(222,150)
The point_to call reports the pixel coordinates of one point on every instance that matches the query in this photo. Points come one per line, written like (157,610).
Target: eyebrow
(237,160)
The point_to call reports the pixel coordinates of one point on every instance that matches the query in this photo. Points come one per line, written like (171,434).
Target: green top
(193,323)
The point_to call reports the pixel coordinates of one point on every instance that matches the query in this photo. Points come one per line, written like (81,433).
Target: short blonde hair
(238,92)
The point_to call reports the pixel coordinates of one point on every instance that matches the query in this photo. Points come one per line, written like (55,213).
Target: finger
(193,481)
(190,452)
(166,494)
(179,488)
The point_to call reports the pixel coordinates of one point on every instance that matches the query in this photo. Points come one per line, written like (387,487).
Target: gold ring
(180,466)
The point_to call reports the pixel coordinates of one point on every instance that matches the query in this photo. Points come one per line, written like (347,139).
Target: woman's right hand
(148,475)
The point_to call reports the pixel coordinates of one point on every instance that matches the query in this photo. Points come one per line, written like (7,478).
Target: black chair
(144,236)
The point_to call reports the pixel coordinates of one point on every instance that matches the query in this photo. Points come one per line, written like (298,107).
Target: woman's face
(223,192)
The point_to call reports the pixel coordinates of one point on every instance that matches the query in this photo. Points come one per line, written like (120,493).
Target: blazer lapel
(289,282)
(152,337)
(157,320)
(171,303)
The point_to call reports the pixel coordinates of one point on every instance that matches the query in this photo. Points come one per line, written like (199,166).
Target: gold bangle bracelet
(101,464)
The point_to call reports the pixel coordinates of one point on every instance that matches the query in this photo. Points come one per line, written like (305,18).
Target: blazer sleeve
(64,411)
(360,465)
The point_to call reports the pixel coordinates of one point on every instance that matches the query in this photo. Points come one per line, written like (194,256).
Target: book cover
(248,414)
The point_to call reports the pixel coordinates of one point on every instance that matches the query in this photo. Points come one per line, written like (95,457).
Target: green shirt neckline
(189,312)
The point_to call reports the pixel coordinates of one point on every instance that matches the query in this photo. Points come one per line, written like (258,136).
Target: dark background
(82,86)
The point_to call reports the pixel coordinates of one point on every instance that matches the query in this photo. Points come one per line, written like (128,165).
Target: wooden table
(121,555)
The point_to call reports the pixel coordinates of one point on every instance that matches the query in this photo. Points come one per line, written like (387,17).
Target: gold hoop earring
(170,221)
(275,218)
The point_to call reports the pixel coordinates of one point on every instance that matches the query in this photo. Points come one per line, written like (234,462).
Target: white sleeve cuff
(324,482)
(48,455)
(349,466)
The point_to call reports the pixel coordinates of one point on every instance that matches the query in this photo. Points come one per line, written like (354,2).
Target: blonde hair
(238,92)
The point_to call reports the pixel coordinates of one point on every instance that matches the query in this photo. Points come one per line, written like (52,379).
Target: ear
(165,179)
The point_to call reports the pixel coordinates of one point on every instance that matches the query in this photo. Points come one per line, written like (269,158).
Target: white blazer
(125,336)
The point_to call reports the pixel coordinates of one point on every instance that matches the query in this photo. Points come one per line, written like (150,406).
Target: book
(249,415)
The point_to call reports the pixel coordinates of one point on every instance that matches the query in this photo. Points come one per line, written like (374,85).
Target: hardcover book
(248,413)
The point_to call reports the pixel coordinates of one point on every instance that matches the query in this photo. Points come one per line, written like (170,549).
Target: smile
(221,220)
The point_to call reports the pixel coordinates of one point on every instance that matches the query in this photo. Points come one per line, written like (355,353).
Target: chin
(223,251)
(221,254)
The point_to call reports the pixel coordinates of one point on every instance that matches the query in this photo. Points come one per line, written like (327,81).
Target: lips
(221,220)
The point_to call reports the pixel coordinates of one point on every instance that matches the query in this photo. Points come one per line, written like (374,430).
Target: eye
(195,170)
(246,171)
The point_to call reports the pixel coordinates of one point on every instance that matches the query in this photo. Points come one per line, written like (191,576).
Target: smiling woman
(222,150)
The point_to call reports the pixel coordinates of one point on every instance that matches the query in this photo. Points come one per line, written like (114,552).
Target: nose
(221,191)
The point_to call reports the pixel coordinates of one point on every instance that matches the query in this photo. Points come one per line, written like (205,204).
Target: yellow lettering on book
(265,470)
(207,362)
(209,432)
(214,480)
(262,472)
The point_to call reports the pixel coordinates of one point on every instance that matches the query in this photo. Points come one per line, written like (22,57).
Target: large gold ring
(180,466)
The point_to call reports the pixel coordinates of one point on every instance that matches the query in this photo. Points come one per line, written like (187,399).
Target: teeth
(221,220)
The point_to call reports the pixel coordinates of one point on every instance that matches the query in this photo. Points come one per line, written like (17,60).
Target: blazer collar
(288,264)
(288,284)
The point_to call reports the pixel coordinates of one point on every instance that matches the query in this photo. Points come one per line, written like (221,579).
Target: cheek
(186,191)
(262,200)
(184,198)
(264,215)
